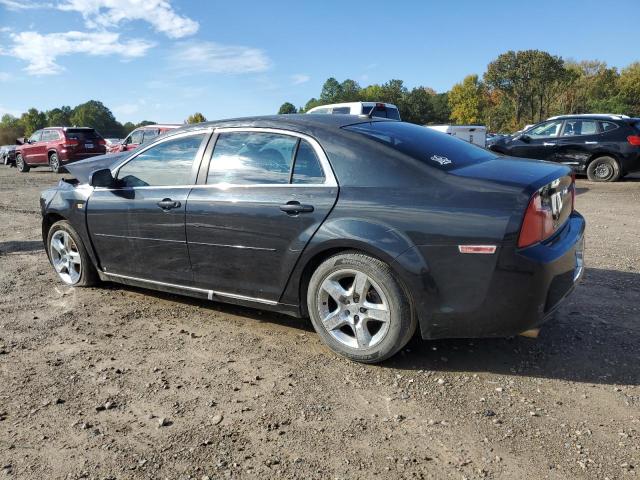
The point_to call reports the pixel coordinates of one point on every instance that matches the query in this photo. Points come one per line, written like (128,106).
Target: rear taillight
(101,142)
(537,224)
(71,142)
(634,140)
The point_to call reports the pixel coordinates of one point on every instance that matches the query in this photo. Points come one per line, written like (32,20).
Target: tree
(418,106)
(59,117)
(196,118)
(33,120)
(629,86)
(331,91)
(10,129)
(287,108)
(466,101)
(95,115)
(441,110)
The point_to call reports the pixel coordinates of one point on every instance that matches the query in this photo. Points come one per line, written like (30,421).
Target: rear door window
(607,127)
(242,158)
(574,128)
(307,168)
(167,163)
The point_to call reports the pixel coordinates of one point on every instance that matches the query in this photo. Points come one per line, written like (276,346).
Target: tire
(54,163)
(604,169)
(69,258)
(369,329)
(21,165)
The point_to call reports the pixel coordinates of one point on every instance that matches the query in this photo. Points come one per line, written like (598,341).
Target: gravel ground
(119,382)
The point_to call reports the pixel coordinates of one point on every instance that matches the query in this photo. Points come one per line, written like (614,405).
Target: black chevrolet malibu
(370,227)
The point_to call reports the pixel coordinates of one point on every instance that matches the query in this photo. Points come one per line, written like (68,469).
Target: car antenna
(370,114)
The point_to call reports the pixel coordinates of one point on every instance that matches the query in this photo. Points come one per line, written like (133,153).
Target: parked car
(8,154)
(368,226)
(382,110)
(113,141)
(56,147)
(476,134)
(139,136)
(606,147)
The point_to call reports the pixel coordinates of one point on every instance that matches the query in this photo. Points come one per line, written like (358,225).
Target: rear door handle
(294,207)
(590,143)
(168,204)
(549,144)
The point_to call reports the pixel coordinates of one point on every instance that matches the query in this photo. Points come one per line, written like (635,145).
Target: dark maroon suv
(56,146)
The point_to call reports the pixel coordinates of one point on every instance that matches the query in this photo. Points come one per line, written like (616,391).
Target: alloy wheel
(603,171)
(65,257)
(54,163)
(353,309)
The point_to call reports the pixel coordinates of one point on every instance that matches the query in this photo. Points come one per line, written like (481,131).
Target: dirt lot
(118,382)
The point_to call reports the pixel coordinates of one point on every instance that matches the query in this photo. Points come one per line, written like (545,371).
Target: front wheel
(21,165)
(359,308)
(604,169)
(54,163)
(69,257)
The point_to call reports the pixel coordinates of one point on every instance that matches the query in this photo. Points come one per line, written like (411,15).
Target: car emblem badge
(440,160)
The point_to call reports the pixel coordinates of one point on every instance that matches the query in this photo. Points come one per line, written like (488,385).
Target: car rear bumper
(518,292)
(66,158)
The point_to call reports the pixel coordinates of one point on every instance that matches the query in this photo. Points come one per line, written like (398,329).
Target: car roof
(351,104)
(605,116)
(160,125)
(302,122)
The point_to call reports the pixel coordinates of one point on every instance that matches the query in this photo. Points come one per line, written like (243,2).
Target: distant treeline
(518,88)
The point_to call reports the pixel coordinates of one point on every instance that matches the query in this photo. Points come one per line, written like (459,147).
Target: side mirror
(525,138)
(102,178)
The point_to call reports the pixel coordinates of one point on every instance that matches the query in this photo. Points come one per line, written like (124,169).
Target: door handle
(294,207)
(590,143)
(549,144)
(168,204)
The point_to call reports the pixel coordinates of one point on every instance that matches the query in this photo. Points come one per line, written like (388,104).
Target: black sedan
(370,227)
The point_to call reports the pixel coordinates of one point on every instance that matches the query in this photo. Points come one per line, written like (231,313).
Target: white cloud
(41,51)
(299,78)
(213,57)
(21,4)
(108,14)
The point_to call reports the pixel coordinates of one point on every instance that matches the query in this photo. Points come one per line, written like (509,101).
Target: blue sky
(162,60)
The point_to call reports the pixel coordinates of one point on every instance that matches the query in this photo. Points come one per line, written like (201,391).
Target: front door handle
(549,144)
(168,204)
(294,207)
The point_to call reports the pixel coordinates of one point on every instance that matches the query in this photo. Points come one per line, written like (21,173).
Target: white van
(475,134)
(384,110)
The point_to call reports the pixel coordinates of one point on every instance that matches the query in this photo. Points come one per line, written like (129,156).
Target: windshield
(382,111)
(82,134)
(424,144)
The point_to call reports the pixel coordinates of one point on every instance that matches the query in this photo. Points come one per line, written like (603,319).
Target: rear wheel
(604,169)
(359,308)
(54,163)
(21,165)
(69,257)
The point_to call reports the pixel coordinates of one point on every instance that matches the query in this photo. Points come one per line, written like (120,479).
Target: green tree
(59,117)
(196,118)
(95,115)
(287,108)
(466,101)
(629,87)
(331,91)
(441,110)
(11,128)
(418,106)
(33,120)
(349,91)
(127,128)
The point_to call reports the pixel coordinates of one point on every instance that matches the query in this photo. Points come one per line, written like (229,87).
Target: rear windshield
(424,144)
(383,112)
(82,134)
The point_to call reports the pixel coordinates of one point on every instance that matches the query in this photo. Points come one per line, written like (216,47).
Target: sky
(163,60)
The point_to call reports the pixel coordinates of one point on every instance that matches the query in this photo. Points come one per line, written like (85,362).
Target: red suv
(56,146)
(139,136)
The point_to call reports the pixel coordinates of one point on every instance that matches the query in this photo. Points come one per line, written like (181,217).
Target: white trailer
(476,134)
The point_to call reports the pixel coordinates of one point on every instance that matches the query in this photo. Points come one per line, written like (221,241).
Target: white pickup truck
(384,110)
(475,134)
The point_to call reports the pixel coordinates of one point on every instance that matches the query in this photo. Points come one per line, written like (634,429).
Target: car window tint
(307,167)
(82,134)
(547,129)
(136,137)
(342,110)
(150,134)
(608,126)
(321,110)
(168,163)
(36,136)
(574,128)
(424,144)
(251,158)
